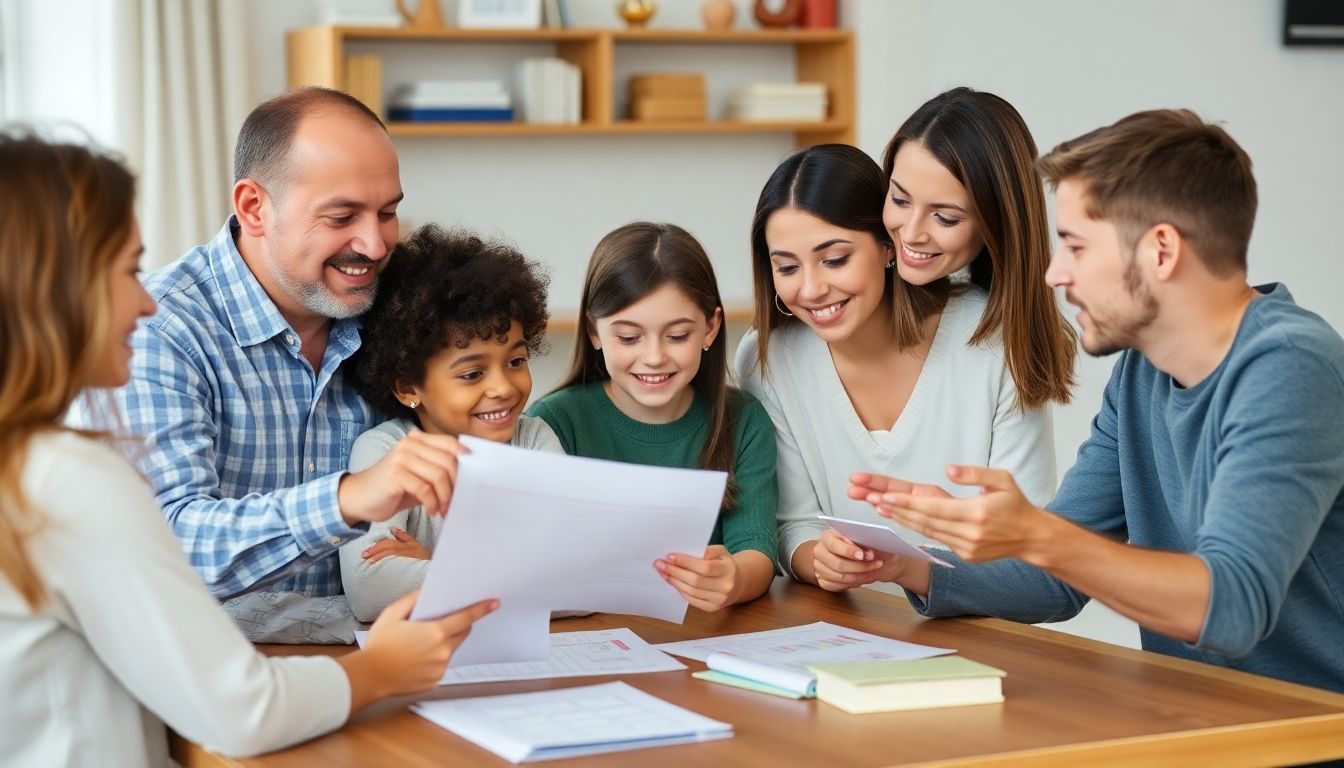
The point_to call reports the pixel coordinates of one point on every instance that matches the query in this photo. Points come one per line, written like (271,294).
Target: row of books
(549,91)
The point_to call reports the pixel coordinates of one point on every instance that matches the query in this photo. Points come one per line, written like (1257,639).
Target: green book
(887,685)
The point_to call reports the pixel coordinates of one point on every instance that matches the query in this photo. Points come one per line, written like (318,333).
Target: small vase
(718,15)
(777,14)
(636,12)
(818,14)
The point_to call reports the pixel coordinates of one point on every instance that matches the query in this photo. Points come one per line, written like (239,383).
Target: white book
(482,101)
(781,90)
(570,722)
(454,87)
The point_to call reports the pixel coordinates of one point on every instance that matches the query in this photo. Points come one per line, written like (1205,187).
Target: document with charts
(573,654)
(546,532)
(568,722)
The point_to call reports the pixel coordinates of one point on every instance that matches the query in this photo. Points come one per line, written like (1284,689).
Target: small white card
(878,537)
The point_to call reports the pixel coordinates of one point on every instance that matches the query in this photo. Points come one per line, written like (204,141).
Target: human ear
(715,323)
(1167,246)
(249,200)
(590,328)
(407,396)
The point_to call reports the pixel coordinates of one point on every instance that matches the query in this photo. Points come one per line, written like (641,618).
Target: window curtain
(184,82)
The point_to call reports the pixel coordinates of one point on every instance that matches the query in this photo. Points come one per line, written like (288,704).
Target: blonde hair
(65,212)
(1165,166)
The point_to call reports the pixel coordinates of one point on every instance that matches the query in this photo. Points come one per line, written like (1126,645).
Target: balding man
(236,382)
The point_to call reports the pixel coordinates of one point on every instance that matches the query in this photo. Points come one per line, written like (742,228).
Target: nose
(499,386)
(914,230)
(1060,272)
(147,305)
(814,284)
(654,354)
(369,240)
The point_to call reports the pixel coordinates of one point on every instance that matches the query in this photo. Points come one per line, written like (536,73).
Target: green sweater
(589,424)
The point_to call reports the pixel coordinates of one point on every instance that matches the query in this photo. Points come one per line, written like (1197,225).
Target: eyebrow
(1067,233)
(345,202)
(481,355)
(816,249)
(633,324)
(953,206)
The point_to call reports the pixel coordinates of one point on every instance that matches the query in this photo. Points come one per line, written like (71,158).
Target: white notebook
(569,722)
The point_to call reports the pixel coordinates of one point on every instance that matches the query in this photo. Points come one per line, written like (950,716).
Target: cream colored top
(128,638)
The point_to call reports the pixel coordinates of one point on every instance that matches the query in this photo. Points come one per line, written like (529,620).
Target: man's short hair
(262,151)
(1165,166)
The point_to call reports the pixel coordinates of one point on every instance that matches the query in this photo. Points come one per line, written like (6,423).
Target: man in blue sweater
(1207,504)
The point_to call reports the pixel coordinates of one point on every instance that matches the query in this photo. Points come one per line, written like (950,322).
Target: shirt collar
(251,314)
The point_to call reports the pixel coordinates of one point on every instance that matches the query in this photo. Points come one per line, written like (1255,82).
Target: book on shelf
(778,102)
(787,91)
(555,14)
(450,115)
(364,80)
(668,110)
(549,91)
(452,101)
(890,685)
(667,85)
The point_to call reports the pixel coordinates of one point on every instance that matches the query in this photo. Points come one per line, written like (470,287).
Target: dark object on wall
(1313,22)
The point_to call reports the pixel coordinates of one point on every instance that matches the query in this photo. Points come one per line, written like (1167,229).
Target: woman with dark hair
(899,337)
(108,634)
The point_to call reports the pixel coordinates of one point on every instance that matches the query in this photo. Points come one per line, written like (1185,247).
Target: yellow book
(887,685)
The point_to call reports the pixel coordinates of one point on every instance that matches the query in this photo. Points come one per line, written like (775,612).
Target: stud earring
(412,405)
(705,348)
(891,262)
(781,308)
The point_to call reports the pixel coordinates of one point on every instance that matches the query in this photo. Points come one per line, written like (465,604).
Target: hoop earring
(781,308)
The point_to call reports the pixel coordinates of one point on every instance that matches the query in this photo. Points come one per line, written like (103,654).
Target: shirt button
(289,339)
(334,541)
(312,467)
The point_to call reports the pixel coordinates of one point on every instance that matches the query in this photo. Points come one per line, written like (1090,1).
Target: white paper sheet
(545,532)
(796,647)
(573,654)
(546,725)
(878,537)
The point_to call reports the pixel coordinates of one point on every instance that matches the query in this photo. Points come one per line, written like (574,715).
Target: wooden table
(1069,701)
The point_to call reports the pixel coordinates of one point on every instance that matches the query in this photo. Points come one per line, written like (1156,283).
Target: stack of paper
(549,91)
(453,101)
(573,654)
(569,722)
(779,102)
(884,686)
(776,661)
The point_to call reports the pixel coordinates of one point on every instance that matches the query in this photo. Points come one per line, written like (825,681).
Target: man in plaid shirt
(236,383)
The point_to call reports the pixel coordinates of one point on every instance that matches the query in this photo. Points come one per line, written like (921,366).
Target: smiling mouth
(828,311)
(352,270)
(652,378)
(914,255)
(494,417)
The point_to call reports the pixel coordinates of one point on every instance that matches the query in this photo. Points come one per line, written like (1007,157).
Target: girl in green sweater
(649,385)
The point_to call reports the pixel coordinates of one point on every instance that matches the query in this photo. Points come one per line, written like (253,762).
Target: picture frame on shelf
(499,14)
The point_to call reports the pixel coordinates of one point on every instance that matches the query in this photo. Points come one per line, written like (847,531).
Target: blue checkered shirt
(245,444)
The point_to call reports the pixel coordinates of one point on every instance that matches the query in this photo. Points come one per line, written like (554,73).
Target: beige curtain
(184,84)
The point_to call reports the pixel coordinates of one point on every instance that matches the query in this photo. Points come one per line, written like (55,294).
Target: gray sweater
(371,587)
(1245,470)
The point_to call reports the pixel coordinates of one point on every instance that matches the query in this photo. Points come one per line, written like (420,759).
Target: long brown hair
(986,145)
(632,262)
(65,212)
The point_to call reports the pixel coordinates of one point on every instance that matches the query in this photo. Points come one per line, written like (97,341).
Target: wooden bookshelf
(316,56)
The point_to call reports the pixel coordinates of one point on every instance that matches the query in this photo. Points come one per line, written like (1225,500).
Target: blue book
(473,115)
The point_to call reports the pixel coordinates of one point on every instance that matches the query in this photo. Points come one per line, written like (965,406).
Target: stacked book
(779,102)
(364,80)
(668,97)
(549,91)
(452,101)
(888,685)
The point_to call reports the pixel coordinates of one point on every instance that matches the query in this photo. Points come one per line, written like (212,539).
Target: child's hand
(840,564)
(402,545)
(708,583)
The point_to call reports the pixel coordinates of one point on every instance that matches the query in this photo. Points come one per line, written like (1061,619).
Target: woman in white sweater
(902,322)
(106,633)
